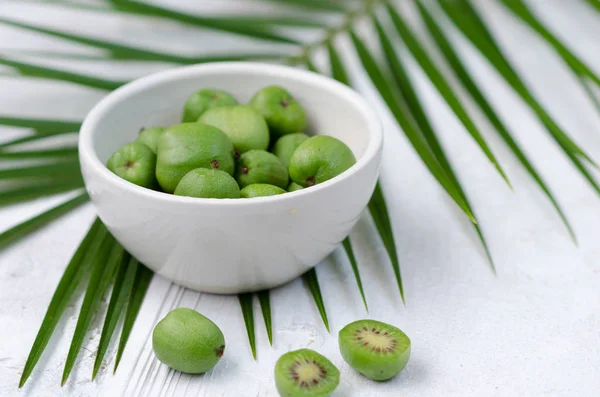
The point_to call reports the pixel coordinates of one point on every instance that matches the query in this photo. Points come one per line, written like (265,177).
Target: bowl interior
(158,101)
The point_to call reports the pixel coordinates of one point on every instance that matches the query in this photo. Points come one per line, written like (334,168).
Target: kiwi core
(377,340)
(307,373)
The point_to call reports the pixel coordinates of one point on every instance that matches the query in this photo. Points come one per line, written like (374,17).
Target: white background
(531,330)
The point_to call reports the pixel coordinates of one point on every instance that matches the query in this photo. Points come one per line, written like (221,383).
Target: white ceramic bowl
(229,245)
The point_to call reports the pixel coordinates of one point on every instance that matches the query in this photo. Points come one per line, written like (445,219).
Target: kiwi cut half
(305,373)
(377,350)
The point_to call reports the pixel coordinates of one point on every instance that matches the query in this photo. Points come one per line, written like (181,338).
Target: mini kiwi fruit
(185,147)
(134,162)
(377,350)
(149,136)
(283,113)
(305,373)
(293,186)
(205,99)
(260,190)
(246,128)
(286,145)
(187,341)
(207,183)
(260,166)
(318,159)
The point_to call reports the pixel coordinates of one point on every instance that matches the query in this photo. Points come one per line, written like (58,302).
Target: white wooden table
(532,330)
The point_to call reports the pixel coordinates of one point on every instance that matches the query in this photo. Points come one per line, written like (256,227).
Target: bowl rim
(87,152)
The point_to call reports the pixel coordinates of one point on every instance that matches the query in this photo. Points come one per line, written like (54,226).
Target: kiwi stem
(366,8)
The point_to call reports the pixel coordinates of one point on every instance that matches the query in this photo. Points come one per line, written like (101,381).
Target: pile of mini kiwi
(187,341)
(226,150)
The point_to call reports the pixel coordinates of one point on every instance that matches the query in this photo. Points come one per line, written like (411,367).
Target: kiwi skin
(260,190)
(305,373)
(135,162)
(208,183)
(187,341)
(260,166)
(377,350)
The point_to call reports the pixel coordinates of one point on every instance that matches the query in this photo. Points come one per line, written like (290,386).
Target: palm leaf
(311,280)
(67,168)
(338,71)
(575,63)
(310,65)
(383,85)
(96,6)
(274,20)
(350,253)
(42,126)
(462,74)
(38,189)
(121,51)
(595,4)
(442,85)
(29,138)
(380,216)
(415,108)
(248,313)
(105,262)
(143,276)
(65,290)
(118,300)
(47,72)
(63,153)
(591,95)
(469,22)
(314,5)
(252,20)
(265,308)
(56,54)
(33,224)
(140,8)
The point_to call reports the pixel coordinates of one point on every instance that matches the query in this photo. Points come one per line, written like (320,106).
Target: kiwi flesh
(305,373)
(377,350)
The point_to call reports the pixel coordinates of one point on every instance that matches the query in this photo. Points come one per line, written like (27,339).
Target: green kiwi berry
(286,145)
(260,166)
(205,99)
(187,341)
(283,113)
(149,137)
(377,350)
(260,190)
(135,162)
(293,186)
(208,183)
(319,159)
(305,373)
(246,128)
(185,147)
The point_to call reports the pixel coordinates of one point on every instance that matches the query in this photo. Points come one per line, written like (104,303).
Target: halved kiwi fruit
(305,373)
(377,350)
